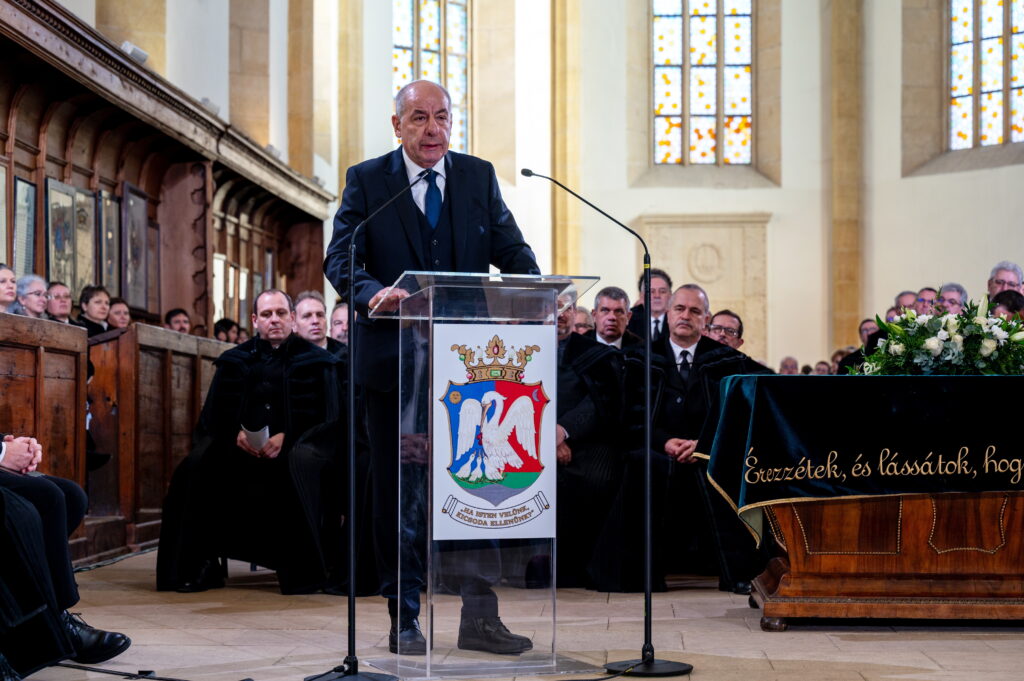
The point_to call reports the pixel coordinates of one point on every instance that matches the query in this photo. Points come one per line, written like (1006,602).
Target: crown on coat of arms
(514,369)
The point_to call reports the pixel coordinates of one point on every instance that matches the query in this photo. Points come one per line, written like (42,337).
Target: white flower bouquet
(971,342)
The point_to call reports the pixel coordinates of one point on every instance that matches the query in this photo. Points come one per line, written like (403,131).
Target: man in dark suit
(452,220)
(693,365)
(611,317)
(661,291)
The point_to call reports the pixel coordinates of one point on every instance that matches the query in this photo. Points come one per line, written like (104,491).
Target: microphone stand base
(649,668)
(341,672)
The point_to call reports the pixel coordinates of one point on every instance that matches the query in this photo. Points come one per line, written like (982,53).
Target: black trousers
(470,567)
(61,505)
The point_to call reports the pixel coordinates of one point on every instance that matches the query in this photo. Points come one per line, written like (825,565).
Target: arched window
(986,72)
(431,41)
(702,53)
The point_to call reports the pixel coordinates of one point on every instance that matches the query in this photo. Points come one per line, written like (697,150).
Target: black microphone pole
(647,665)
(349,669)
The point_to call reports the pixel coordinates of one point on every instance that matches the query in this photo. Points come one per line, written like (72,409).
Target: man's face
(950,301)
(311,320)
(866,329)
(581,323)
(687,316)
(907,300)
(611,318)
(925,302)
(566,321)
(59,304)
(180,323)
(425,125)
(1005,280)
(725,329)
(273,320)
(660,295)
(789,367)
(339,324)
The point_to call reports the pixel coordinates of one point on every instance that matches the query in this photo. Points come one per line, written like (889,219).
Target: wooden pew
(43,394)
(149,387)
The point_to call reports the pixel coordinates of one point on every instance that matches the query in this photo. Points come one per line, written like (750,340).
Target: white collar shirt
(419,190)
(617,343)
(676,349)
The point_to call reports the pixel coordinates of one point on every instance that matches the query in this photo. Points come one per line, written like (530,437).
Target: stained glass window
(703,86)
(986,72)
(431,41)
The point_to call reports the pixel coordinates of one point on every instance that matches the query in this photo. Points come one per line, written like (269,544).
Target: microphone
(647,662)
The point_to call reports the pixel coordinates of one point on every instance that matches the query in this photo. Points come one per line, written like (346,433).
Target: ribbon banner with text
(795,438)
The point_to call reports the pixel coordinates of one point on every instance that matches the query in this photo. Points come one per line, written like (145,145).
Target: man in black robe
(589,445)
(251,488)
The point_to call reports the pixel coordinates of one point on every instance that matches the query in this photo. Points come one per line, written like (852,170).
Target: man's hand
(563,454)
(561,435)
(272,447)
(23,454)
(388,298)
(681,450)
(243,443)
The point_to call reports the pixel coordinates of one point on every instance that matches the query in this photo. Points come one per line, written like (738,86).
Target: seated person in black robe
(259,502)
(37,584)
(589,452)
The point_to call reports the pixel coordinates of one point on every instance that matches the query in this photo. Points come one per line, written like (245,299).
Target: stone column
(249,68)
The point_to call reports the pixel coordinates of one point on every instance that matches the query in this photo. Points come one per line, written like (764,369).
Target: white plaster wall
(378,101)
(530,199)
(796,240)
(278,76)
(83,9)
(197,49)
(925,230)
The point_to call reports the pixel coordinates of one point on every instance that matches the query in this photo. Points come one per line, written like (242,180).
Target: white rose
(942,335)
(958,342)
(952,323)
(896,349)
(934,346)
(988,346)
(923,319)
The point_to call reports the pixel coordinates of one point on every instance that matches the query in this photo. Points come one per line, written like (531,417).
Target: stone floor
(248,630)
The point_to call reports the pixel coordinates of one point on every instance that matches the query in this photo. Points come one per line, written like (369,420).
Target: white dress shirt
(676,349)
(617,343)
(419,190)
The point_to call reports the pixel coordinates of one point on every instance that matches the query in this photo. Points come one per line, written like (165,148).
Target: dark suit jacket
(483,229)
(636,322)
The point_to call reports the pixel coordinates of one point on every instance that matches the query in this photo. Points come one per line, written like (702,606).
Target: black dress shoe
(92,645)
(7,672)
(208,577)
(490,635)
(407,639)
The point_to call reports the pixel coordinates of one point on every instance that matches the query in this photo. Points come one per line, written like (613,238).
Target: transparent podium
(477,388)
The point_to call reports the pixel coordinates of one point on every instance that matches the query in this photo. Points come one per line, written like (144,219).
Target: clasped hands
(23,454)
(270,449)
(681,450)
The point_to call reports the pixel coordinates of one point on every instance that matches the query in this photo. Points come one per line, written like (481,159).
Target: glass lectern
(477,386)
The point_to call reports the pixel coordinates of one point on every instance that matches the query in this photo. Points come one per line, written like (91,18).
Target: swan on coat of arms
(494,452)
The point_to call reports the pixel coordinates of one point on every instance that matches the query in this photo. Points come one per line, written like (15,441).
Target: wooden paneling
(925,556)
(153,385)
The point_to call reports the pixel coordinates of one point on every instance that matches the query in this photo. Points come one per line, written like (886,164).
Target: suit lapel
(455,186)
(396,180)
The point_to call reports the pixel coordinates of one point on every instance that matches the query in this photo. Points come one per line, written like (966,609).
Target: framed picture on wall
(135,253)
(110,243)
(60,234)
(24,227)
(3,214)
(85,240)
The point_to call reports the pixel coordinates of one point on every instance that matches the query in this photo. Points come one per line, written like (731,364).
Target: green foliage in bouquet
(970,343)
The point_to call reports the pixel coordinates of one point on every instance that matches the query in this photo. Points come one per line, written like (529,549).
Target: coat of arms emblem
(495,422)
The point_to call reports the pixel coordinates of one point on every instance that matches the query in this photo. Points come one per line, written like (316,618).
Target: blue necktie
(432,206)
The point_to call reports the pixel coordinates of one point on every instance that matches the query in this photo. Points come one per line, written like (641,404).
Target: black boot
(92,645)
(490,635)
(407,639)
(209,576)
